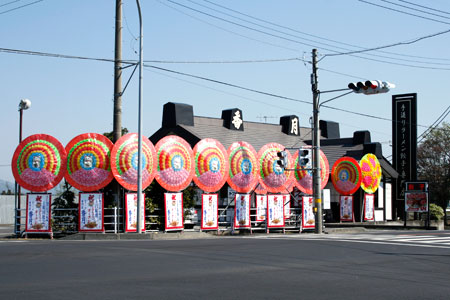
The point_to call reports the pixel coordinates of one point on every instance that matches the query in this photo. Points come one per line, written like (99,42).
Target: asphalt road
(274,267)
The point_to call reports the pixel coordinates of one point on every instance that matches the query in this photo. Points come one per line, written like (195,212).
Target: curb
(136,236)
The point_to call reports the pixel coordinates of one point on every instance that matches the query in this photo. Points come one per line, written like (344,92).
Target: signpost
(416,198)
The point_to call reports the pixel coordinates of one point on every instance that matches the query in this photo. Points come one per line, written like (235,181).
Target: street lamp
(369,87)
(139,169)
(23,105)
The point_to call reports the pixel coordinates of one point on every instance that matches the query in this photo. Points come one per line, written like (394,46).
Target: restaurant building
(179,119)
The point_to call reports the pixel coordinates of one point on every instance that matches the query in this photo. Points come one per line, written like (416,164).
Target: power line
(225,61)
(228,84)
(45,54)
(227,93)
(434,125)
(26,52)
(267,93)
(134,38)
(403,12)
(55,55)
(311,45)
(130,62)
(340,73)
(250,99)
(11,2)
(262,26)
(415,9)
(226,30)
(240,25)
(437,120)
(316,36)
(393,45)
(6,11)
(427,7)
(278,31)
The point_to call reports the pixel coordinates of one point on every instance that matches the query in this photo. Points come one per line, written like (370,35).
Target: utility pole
(117,122)
(316,146)
(117,118)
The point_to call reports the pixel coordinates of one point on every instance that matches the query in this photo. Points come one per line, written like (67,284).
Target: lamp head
(24,104)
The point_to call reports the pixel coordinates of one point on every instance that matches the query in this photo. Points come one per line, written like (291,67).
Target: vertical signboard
(388,202)
(90,212)
(38,213)
(261,206)
(346,208)
(242,211)
(275,211)
(131,212)
(326,196)
(173,206)
(308,219)
(209,212)
(404,140)
(369,208)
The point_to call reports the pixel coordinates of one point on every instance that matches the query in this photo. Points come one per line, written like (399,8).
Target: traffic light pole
(369,87)
(316,147)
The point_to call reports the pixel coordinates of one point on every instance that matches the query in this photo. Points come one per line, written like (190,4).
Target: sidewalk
(6,231)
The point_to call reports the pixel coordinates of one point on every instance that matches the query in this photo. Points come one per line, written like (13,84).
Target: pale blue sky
(70,96)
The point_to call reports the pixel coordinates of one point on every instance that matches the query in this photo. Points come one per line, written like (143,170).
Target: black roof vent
(374,148)
(233,119)
(329,129)
(290,125)
(361,137)
(177,114)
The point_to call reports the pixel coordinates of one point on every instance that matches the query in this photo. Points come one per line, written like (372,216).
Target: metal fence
(65,221)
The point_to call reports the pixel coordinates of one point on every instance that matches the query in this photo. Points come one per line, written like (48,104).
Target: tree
(110,135)
(433,164)
(67,213)
(154,199)
(65,198)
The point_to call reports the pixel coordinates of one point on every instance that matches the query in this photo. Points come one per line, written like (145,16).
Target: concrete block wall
(7,208)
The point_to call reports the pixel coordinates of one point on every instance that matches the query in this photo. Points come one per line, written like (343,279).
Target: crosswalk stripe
(442,246)
(431,241)
(428,239)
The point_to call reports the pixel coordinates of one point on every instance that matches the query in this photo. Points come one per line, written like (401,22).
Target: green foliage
(436,212)
(110,135)
(8,192)
(188,196)
(154,203)
(64,200)
(433,163)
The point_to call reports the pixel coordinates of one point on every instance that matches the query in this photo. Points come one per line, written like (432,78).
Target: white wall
(7,208)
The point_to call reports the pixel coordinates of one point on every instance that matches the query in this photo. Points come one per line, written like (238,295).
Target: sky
(262,45)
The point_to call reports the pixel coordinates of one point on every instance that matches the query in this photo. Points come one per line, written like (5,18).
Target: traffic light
(371,87)
(305,157)
(282,159)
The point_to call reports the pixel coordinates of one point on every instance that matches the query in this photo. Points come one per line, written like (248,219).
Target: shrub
(436,212)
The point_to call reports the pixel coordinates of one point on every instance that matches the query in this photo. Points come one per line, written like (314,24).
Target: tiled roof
(259,134)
